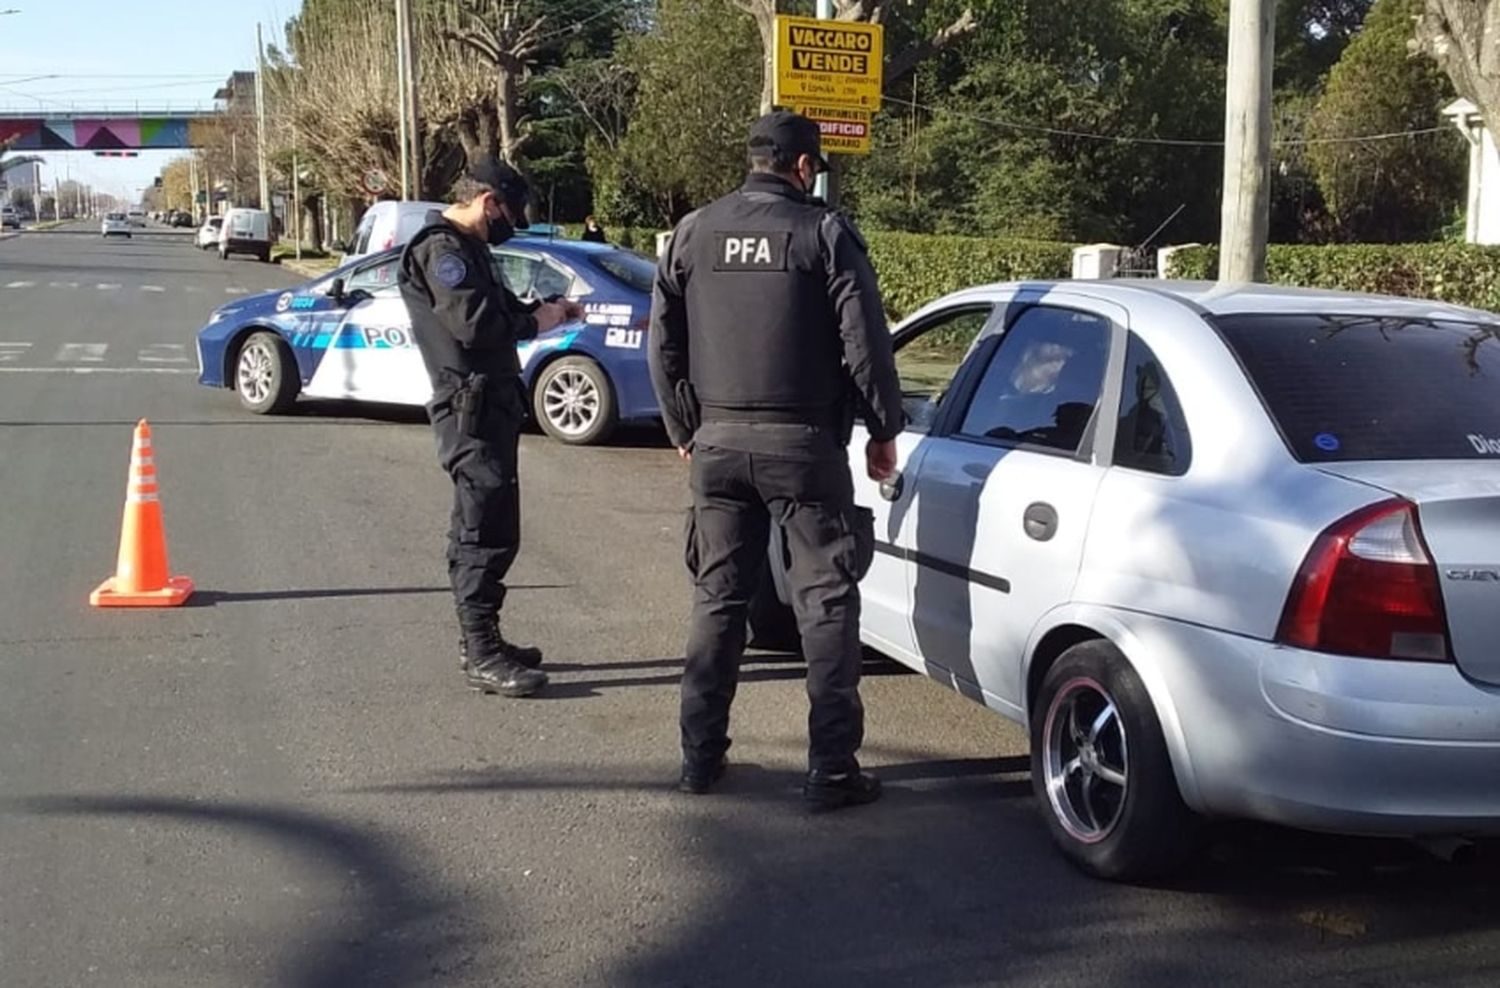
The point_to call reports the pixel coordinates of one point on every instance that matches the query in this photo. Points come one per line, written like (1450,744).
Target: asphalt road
(286,783)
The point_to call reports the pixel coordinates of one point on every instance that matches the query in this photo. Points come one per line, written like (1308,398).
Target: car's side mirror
(336,290)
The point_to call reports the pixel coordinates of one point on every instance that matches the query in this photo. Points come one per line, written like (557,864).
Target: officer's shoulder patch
(450,270)
(751,250)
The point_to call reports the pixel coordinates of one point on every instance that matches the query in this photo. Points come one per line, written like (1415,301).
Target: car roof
(1214,299)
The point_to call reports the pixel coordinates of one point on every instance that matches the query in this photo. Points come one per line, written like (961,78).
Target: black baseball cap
(500,178)
(790,133)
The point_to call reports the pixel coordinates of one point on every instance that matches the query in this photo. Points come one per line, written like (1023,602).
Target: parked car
(208,233)
(388,224)
(10,218)
(115,225)
(1225,553)
(246,231)
(182,219)
(347,335)
(136,216)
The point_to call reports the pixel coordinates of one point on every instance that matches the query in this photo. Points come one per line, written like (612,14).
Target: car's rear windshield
(636,270)
(115,216)
(1372,387)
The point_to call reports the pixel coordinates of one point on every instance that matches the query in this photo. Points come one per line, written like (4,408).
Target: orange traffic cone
(141,576)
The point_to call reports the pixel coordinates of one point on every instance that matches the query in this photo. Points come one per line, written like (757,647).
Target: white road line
(164,353)
(97,370)
(236,291)
(91,353)
(62,284)
(152,288)
(12,351)
(21,284)
(104,286)
(192,289)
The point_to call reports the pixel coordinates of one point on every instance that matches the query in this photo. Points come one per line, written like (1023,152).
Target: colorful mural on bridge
(69,134)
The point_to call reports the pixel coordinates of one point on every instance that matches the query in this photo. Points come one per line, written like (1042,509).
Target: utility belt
(837,418)
(479,400)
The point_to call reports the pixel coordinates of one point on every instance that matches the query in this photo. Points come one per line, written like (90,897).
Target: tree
(1387,190)
(24,200)
(1463,37)
(686,140)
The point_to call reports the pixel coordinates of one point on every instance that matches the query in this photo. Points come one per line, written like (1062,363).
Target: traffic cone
(141,575)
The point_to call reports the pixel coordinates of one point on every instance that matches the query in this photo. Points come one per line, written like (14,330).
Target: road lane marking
(97,370)
(152,288)
(192,289)
(92,353)
(62,284)
(164,353)
(236,291)
(12,351)
(21,284)
(105,286)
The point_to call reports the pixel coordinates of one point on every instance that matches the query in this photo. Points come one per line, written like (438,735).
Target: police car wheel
(574,402)
(1101,770)
(265,375)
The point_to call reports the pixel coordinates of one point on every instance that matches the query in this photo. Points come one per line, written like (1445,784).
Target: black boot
(528,656)
(826,791)
(493,665)
(507,678)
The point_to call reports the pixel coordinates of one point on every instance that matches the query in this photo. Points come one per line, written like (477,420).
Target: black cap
(499,177)
(791,133)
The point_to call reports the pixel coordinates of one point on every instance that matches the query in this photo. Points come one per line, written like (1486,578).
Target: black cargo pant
(484,533)
(797,477)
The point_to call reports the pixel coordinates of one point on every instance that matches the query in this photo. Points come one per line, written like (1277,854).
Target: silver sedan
(1225,553)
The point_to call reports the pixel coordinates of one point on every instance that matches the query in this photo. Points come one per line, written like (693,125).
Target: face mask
(499,230)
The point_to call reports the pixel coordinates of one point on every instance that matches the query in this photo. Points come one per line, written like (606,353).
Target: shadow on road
(388,933)
(757,668)
(210,598)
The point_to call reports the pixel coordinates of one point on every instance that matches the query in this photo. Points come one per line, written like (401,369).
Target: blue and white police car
(347,336)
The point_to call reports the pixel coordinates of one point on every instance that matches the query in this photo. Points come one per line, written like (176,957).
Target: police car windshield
(1374,388)
(635,270)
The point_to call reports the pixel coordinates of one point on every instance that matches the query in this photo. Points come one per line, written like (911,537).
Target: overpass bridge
(86,131)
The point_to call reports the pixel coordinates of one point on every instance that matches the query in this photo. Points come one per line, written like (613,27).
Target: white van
(389,224)
(246,231)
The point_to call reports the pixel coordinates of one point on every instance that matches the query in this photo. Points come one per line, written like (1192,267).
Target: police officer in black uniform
(767,332)
(467,324)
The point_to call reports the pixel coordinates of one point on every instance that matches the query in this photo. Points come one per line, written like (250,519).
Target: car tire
(1101,771)
(265,374)
(574,402)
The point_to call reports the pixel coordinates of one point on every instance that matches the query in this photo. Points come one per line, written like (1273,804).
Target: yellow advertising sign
(845,130)
(828,63)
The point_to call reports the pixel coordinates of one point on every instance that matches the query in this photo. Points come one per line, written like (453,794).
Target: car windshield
(633,269)
(1374,388)
(115,216)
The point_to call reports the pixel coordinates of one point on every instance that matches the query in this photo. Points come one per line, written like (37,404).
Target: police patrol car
(347,336)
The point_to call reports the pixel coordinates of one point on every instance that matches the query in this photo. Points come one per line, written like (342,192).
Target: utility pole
(410,114)
(260,118)
(1247,141)
(820,188)
(401,103)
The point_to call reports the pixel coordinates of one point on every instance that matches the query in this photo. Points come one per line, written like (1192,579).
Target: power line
(1156,141)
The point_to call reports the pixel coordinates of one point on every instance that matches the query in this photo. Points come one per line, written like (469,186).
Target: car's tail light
(1369,588)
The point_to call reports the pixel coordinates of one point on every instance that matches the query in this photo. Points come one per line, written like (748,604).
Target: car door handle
(1040,521)
(891,490)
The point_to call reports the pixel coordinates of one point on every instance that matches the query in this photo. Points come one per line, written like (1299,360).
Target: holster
(468,405)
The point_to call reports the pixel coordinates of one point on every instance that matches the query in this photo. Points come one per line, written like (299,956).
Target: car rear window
(635,270)
(1374,388)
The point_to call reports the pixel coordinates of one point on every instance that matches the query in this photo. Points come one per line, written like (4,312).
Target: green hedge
(1464,274)
(916,268)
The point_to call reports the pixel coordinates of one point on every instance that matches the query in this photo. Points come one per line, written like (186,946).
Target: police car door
(372,356)
(1005,489)
(929,353)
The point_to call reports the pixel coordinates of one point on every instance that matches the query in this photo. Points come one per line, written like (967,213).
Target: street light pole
(401,105)
(260,119)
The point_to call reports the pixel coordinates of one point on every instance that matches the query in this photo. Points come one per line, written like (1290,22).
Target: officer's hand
(550,315)
(575,310)
(880,460)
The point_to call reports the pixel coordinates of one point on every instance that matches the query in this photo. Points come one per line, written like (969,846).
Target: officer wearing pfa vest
(766,331)
(467,324)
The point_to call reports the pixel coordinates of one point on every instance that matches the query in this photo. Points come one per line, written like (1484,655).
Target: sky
(117,54)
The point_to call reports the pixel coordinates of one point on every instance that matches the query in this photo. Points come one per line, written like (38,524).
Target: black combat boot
(491,666)
(826,791)
(528,656)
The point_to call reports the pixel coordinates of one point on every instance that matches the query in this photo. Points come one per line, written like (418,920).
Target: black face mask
(499,231)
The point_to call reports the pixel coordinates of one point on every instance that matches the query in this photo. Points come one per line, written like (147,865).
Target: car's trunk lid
(1458,507)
